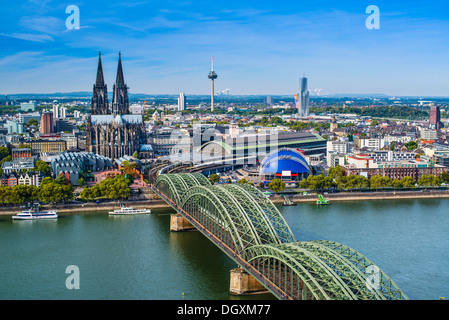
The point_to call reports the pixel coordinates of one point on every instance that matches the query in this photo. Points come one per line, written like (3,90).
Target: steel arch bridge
(249,228)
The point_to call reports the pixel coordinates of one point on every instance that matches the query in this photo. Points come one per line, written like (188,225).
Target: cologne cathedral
(111,130)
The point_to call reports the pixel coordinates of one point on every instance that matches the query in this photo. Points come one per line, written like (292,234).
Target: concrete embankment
(357,196)
(152,201)
(89,207)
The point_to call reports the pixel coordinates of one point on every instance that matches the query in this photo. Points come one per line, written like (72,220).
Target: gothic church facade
(111,130)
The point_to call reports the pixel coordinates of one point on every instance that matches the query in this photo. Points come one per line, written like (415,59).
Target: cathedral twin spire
(120,102)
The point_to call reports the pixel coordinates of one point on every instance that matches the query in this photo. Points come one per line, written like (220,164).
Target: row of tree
(321,182)
(58,190)
(49,191)
(116,187)
(402,112)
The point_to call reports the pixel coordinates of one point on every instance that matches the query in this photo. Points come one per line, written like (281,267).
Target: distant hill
(358,95)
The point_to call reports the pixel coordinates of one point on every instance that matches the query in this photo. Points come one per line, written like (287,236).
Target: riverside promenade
(368,195)
(152,201)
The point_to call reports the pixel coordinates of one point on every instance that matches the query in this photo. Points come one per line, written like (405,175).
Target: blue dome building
(286,164)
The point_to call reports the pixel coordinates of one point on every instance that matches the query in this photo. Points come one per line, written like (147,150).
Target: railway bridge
(250,230)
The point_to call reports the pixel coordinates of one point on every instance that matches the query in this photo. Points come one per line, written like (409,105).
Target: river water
(137,257)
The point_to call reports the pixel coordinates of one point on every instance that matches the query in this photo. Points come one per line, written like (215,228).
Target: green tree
(408,182)
(4,152)
(43,167)
(243,181)
(23,193)
(81,182)
(444,177)
(5,159)
(397,184)
(111,188)
(214,178)
(61,179)
(52,191)
(336,172)
(374,123)
(263,121)
(32,122)
(355,182)
(378,182)
(276,121)
(276,185)
(136,154)
(5,194)
(392,146)
(319,182)
(46,180)
(429,181)
(411,145)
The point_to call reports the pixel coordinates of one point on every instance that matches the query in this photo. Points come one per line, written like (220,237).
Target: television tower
(212,76)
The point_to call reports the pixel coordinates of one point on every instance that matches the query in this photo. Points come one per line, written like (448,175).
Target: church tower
(100,104)
(115,134)
(120,102)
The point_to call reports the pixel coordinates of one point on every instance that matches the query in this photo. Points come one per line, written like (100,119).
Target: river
(137,257)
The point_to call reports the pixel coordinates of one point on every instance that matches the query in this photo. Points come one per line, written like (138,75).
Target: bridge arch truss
(249,228)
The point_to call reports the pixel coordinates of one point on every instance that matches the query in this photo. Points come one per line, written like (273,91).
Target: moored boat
(124,210)
(288,202)
(35,213)
(321,200)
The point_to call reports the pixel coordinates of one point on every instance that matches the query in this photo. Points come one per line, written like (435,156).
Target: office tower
(268,100)
(303,99)
(28,106)
(14,127)
(56,111)
(46,122)
(63,111)
(435,118)
(181,102)
(212,76)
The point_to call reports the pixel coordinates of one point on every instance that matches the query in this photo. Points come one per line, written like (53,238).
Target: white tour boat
(129,210)
(31,214)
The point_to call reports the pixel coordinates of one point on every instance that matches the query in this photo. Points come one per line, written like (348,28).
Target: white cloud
(29,37)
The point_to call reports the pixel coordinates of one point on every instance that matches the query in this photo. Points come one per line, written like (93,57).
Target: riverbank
(90,206)
(357,196)
(79,207)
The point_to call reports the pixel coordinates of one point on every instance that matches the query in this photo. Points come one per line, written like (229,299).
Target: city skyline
(258,50)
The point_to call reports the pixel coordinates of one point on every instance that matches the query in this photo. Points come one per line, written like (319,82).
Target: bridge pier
(242,283)
(179,223)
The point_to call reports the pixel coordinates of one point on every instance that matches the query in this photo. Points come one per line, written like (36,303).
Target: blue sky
(259,47)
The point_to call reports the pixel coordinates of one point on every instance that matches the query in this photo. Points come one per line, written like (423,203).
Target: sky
(259,47)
